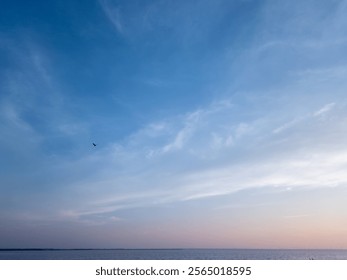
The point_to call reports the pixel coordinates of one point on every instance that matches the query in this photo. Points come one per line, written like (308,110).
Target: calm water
(173,254)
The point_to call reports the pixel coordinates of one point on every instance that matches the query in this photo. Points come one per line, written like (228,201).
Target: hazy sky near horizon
(218,124)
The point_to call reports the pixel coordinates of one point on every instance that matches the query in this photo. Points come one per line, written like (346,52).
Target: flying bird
(94,144)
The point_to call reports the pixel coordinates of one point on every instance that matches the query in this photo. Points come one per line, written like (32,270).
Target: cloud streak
(113,14)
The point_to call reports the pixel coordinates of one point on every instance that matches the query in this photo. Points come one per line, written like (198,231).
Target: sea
(170,254)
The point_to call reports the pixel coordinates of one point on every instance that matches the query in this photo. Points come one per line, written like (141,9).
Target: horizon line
(105,249)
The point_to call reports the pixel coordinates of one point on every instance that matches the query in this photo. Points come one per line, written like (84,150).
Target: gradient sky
(218,124)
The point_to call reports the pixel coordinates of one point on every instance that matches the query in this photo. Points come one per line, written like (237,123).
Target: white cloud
(325,109)
(113,14)
(190,124)
(287,125)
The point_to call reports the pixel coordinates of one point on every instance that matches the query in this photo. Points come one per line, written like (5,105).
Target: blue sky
(218,124)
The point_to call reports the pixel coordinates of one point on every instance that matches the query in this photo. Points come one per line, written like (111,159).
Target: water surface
(171,254)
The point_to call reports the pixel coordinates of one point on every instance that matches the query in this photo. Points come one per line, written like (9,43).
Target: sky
(217,124)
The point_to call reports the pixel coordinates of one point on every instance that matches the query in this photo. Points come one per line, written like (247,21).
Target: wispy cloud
(326,108)
(184,172)
(33,98)
(113,14)
(299,121)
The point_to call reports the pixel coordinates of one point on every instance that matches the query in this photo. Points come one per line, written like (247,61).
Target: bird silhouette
(94,144)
